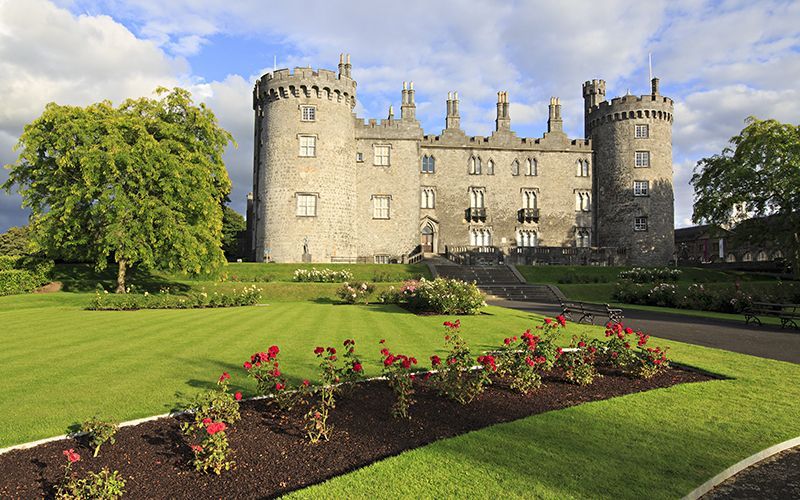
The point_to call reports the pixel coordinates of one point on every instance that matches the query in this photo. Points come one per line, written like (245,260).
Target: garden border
(740,466)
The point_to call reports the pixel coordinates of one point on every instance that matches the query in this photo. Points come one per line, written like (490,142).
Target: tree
(758,173)
(141,184)
(232,226)
(15,241)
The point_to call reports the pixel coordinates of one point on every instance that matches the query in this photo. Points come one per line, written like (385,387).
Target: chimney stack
(408,108)
(453,120)
(554,122)
(503,121)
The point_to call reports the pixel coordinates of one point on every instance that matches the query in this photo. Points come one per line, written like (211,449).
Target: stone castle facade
(331,187)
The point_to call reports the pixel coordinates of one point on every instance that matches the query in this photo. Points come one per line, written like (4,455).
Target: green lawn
(62,364)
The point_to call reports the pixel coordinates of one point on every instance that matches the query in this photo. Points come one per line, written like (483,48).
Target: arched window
(490,167)
(480,237)
(476,198)
(777,255)
(730,258)
(530,167)
(427,198)
(762,256)
(528,198)
(526,238)
(475,165)
(582,238)
(583,168)
(747,257)
(515,167)
(428,164)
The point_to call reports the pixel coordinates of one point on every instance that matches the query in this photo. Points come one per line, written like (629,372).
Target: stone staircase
(498,281)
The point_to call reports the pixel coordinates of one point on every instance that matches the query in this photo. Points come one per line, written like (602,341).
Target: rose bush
(443,296)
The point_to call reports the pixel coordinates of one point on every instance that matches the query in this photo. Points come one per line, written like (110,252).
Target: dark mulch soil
(777,477)
(272,455)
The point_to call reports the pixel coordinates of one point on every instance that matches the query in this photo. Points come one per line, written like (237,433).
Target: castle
(331,187)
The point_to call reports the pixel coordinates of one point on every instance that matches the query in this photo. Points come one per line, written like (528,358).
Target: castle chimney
(452,120)
(503,121)
(341,66)
(554,122)
(654,87)
(348,67)
(391,112)
(408,108)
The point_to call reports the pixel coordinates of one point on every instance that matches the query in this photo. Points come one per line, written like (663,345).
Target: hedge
(18,281)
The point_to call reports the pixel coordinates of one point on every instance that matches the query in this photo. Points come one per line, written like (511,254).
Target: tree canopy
(139,184)
(233,224)
(758,173)
(15,241)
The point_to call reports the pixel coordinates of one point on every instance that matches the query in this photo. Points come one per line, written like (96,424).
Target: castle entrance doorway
(428,237)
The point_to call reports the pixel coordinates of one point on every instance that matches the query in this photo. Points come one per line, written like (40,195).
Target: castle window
(480,237)
(490,167)
(641,131)
(306,205)
(428,164)
(762,256)
(643,158)
(477,197)
(582,238)
(475,165)
(360,157)
(308,145)
(515,167)
(526,238)
(382,259)
(641,188)
(583,202)
(382,158)
(583,168)
(730,258)
(380,206)
(777,255)
(747,257)
(528,198)
(640,224)
(308,113)
(530,167)
(427,198)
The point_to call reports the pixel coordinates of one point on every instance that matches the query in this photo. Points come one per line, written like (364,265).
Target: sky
(721,61)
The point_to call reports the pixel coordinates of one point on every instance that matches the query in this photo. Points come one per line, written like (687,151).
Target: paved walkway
(765,341)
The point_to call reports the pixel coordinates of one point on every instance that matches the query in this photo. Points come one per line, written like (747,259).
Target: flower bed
(322,275)
(104,301)
(270,447)
(650,274)
(438,296)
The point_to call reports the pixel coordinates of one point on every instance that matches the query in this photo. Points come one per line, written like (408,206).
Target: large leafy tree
(233,224)
(15,241)
(140,184)
(758,173)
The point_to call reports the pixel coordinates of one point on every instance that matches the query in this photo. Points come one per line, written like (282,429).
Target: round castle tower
(632,140)
(304,175)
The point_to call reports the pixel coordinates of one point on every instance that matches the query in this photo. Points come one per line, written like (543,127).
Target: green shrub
(355,292)
(322,275)
(99,432)
(650,274)
(104,301)
(17,281)
(104,484)
(444,296)
(8,262)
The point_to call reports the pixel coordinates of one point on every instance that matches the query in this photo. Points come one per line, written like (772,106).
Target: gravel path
(775,477)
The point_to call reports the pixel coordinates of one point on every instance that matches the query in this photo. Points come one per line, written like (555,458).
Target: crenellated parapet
(387,128)
(629,107)
(305,82)
(509,142)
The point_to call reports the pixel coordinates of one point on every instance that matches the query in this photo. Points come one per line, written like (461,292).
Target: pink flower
(71,455)
(238,396)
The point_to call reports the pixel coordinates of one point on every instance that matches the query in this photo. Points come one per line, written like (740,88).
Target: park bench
(586,311)
(788,314)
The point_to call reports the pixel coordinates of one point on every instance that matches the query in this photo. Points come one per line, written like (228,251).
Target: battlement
(387,128)
(508,141)
(653,107)
(305,82)
(591,87)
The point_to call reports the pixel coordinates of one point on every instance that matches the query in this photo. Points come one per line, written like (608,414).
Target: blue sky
(721,61)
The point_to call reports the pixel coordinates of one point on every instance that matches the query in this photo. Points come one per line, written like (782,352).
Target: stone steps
(499,281)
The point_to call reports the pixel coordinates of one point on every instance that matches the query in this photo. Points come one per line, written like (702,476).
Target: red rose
(71,455)
(273,351)
(237,396)
(331,350)
(436,360)
(506,341)
(318,351)
(530,362)
(224,377)
(388,361)
(561,320)
(306,382)
(548,321)
(206,421)
(406,363)
(385,351)
(382,341)
(247,365)
(197,448)
(581,344)
(276,373)
(614,355)
(629,330)
(357,367)
(279,386)
(216,427)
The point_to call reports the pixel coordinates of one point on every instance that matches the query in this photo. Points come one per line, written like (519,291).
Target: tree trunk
(796,255)
(121,276)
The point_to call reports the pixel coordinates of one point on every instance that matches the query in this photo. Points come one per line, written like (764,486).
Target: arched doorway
(428,237)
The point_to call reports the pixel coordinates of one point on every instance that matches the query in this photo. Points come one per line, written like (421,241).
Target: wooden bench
(586,311)
(788,314)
